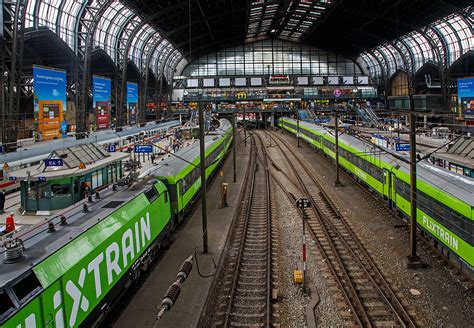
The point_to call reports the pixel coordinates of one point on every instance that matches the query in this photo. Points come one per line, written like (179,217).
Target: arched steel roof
(442,42)
(62,17)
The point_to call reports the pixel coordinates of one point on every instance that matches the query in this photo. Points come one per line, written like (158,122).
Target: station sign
(143,149)
(402,147)
(112,148)
(12,178)
(41,179)
(54,162)
(303,203)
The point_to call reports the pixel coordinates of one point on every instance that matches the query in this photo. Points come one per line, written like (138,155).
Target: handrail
(21,233)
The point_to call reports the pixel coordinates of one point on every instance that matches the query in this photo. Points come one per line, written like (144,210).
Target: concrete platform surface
(142,310)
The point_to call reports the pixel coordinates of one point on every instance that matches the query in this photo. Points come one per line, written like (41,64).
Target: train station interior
(225,163)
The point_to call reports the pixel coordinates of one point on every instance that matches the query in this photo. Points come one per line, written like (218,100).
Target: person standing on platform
(152,158)
(2,201)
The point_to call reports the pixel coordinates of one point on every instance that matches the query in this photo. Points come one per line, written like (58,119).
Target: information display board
(101,91)
(333,80)
(256,81)
(348,80)
(240,82)
(224,82)
(303,80)
(466,96)
(132,102)
(192,83)
(49,102)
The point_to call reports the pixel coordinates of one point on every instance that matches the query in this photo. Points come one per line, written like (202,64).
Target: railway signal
(303,203)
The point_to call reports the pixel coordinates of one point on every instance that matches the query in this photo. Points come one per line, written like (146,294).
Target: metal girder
(85,28)
(11,66)
(126,43)
(123,38)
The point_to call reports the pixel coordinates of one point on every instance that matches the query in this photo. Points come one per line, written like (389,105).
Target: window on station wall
(272,57)
(448,38)
(399,85)
(61,16)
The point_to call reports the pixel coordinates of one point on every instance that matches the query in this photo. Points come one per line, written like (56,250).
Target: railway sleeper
(237,324)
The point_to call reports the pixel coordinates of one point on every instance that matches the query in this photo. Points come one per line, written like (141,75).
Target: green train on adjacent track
(445,200)
(73,276)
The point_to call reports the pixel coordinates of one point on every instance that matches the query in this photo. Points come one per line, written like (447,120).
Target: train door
(388,187)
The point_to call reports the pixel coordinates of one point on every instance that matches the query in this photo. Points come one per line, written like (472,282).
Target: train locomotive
(445,203)
(72,275)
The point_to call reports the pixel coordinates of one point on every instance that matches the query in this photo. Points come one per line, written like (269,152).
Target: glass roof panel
(298,17)
(453,33)
(66,13)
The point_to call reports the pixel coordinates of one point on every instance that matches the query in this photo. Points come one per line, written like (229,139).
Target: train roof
(458,186)
(172,165)
(39,150)
(39,244)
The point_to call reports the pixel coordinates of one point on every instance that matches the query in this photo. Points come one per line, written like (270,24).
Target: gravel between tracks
(444,301)
(292,309)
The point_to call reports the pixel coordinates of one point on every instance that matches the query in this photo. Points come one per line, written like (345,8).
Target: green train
(445,210)
(71,277)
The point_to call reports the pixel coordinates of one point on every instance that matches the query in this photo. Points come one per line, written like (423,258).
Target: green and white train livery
(445,199)
(71,277)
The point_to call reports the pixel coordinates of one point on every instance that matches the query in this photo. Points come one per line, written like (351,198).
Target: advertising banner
(1,20)
(49,102)
(466,96)
(132,102)
(101,91)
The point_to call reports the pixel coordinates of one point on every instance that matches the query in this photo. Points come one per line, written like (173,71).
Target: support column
(413,256)
(203,177)
(234,145)
(337,183)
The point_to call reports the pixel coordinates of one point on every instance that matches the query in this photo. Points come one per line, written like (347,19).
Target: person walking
(153,158)
(2,201)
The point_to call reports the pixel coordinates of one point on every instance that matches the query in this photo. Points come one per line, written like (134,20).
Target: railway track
(368,296)
(247,288)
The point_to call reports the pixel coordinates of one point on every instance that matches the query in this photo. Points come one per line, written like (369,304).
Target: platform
(142,310)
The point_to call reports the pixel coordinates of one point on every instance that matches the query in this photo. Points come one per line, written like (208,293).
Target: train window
(26,287)
(165,196)
(151,194)
(5,302)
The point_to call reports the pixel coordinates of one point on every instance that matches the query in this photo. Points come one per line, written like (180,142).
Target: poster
(49,102)
(466,96)
(1,20)
(132,102)
(101,91)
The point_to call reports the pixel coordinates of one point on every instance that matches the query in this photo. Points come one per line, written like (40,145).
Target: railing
(27,232)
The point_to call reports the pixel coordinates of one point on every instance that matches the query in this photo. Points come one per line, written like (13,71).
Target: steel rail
(389,297)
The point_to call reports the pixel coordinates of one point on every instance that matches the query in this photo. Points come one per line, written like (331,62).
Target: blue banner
(49,102)
(466,96)
(101,91)
(132,102)
(1,19)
